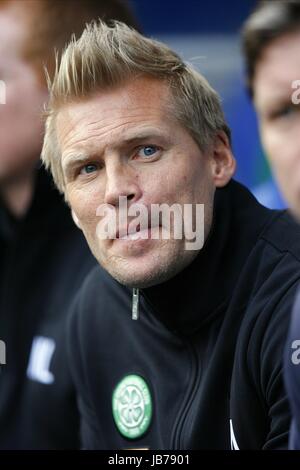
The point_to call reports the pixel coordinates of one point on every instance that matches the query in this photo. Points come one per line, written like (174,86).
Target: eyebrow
(72,160)
(142,135)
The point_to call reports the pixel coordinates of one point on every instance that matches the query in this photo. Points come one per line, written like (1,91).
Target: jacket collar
(201,291)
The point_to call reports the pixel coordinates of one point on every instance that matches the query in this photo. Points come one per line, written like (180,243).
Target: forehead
(143,101)
(277,68)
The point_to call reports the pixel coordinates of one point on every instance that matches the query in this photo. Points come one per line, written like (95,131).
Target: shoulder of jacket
(283,233)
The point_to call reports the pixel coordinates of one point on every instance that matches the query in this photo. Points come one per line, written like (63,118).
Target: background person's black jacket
(208,343)
(292,373)
(44,259)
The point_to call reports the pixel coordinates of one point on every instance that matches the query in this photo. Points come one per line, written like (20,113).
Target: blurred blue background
(207,35)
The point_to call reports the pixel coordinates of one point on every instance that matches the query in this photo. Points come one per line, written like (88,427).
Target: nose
(121,180)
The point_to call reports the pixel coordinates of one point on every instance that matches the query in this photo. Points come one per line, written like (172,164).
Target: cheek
(184,183)
(199,180)
(274,144)
(168,187)
(282,148)
(23,112)
(84,203)
(18,110)
(187,173)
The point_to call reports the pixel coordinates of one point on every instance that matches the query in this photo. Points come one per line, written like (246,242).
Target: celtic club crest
(132,406)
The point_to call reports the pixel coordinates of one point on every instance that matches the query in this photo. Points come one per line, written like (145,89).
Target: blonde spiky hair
(104,57)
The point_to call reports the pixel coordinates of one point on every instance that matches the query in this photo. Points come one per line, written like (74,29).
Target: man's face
(21,127)
(279,118)
(128,144)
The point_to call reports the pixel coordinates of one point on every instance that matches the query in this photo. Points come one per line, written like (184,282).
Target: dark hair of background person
(270,20)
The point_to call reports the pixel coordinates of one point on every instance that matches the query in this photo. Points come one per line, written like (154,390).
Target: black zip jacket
(208,343)
(44,259)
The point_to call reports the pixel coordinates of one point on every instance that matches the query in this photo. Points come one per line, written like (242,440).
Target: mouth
(137,233)
(147,228)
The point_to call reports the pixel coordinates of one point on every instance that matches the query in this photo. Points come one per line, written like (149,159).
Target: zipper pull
(135,303)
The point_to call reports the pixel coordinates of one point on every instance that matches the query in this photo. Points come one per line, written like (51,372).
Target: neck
(17,194)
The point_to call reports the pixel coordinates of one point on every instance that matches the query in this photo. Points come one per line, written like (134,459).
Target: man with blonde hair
(131,127)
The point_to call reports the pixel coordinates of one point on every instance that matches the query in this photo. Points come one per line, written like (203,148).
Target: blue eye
(90,168)
(147,151)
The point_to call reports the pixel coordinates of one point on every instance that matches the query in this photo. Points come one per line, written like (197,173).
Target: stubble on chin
(142,273)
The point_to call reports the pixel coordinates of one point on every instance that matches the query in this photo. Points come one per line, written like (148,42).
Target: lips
(134,236)
(129,233)
(132,229)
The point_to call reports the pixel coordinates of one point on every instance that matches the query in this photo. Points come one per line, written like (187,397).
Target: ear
(75,218)
(223,161)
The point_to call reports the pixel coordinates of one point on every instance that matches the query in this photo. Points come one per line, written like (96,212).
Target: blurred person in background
(271,43)
(44,257)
